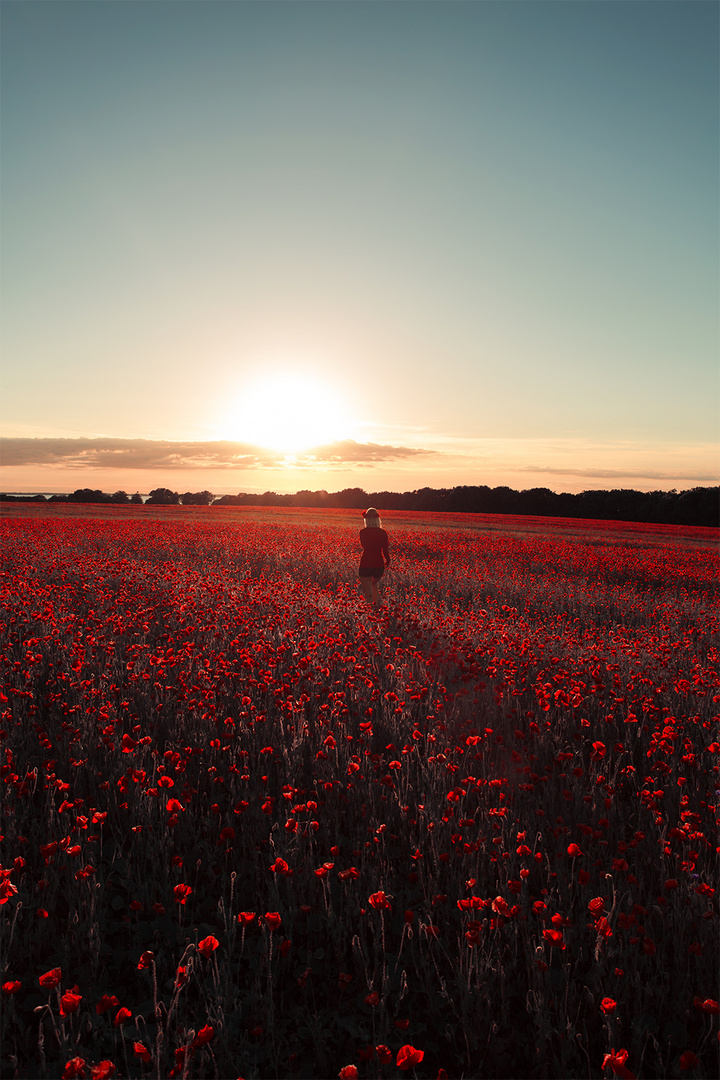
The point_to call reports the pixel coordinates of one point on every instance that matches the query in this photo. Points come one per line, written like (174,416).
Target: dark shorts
(371,571)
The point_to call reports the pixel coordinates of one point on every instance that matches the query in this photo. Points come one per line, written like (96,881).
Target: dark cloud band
(157,454)
(618,474)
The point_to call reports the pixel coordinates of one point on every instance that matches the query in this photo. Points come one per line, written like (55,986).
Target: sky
(253,246)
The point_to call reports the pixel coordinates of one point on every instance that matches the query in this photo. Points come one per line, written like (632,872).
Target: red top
(375,547)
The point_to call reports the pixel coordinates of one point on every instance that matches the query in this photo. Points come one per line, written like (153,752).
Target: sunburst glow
(289,413)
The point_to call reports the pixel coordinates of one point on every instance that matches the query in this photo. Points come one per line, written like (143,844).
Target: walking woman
(375,556)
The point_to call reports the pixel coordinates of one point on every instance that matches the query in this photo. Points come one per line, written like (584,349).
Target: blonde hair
(372,518)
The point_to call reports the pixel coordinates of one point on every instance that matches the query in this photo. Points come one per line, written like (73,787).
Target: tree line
(158,497)
(695,506)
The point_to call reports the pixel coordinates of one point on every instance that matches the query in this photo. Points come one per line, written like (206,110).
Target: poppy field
(252,827)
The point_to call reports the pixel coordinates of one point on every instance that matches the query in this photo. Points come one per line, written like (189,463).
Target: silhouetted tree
(538,501)
(701,505)
(136,499)
(163,497)
(351,499)
(119,497)
(310,498)
(88,495)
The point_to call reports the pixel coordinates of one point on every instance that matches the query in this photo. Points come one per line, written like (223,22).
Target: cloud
(108,453)
(350,452)
(618,474)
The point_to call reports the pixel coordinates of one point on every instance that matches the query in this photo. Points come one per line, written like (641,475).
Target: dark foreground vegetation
(695,506)
(252,828)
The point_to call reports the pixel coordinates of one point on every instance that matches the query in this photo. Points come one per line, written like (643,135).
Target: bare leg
(377,602)
(366,588)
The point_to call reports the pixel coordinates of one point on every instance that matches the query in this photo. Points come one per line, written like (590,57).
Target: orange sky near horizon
(377,467)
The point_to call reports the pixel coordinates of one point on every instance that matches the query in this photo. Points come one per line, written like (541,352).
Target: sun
(289,413)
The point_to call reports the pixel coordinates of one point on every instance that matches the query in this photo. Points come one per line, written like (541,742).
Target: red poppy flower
(70,1001)
(50,979)
(123,1015)
(379,900)
(608,1005)
(616,1062)
(145,960)
(348,1072)
(281,867)
(107,1001)
(707,1006)
(688,1060)
(574,851)
(408,1057)
(205,1035)
(384,1054)
(12,987)
(181,893)
(554,938)
(103,1070)
(7,890)
(246,917)
(273,920)
(74,1069)
(208,945)
(142,1052)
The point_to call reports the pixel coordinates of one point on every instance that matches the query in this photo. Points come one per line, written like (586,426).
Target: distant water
(49,494)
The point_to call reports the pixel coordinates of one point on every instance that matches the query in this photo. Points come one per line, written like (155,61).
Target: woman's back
(375,546)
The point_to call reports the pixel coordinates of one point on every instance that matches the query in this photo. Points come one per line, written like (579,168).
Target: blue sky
(483,237)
